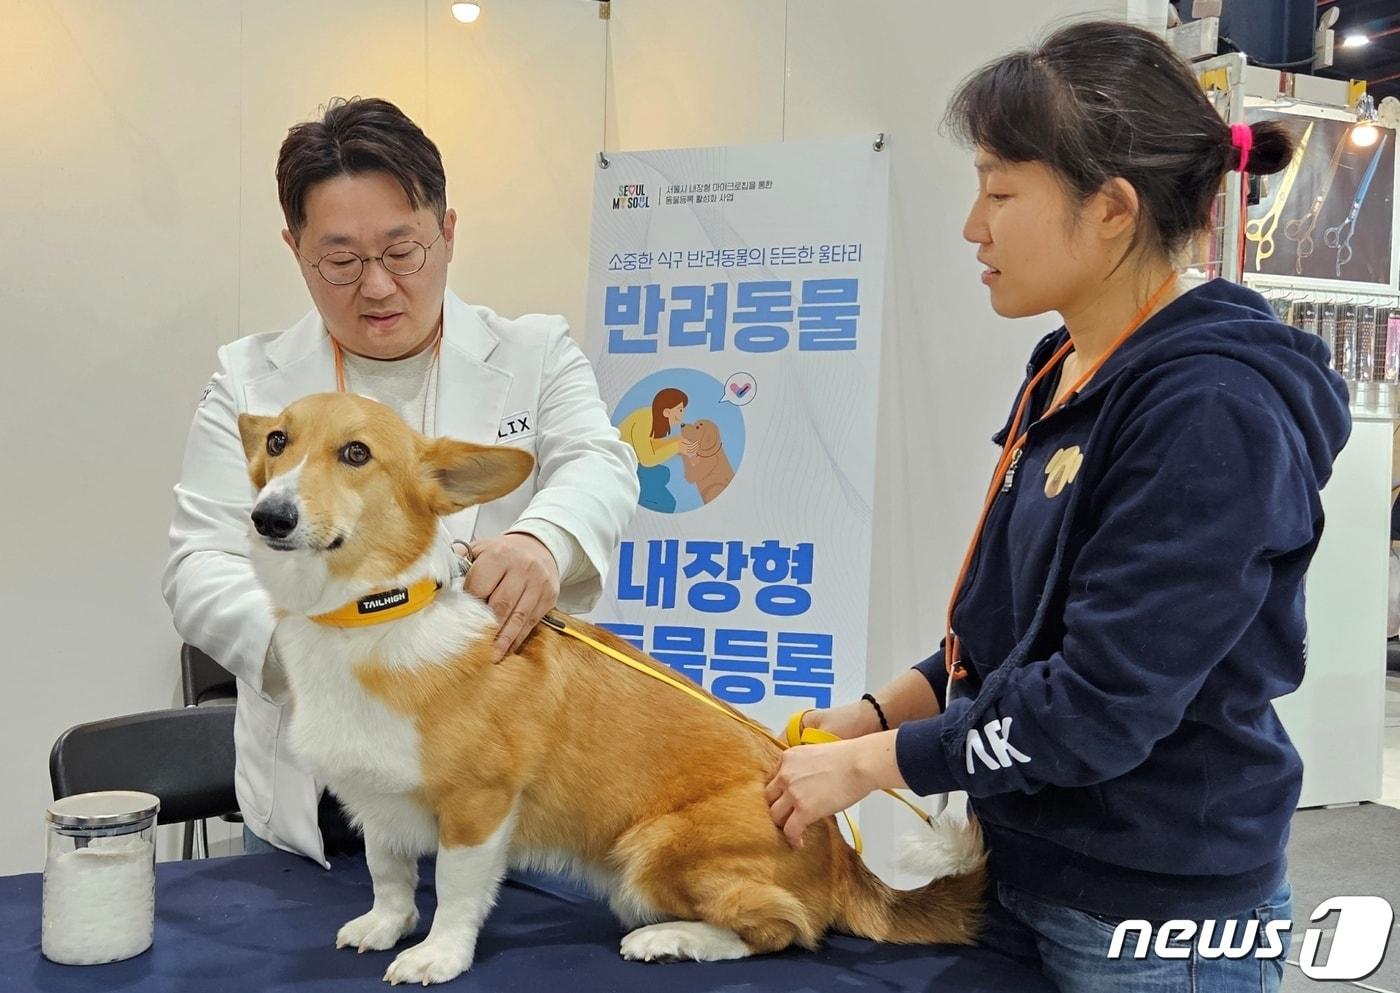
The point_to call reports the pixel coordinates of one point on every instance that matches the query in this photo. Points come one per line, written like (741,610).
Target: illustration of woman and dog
(648,430)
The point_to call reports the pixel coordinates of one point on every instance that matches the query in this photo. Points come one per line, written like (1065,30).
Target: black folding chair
(203,680)
(185,757)
(205,683)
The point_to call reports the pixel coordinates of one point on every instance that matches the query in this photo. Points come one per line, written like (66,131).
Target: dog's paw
(676,941)
(376,931)
(430,962)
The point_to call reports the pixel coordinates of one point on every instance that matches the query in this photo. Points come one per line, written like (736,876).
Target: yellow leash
(798,735)
(795,735)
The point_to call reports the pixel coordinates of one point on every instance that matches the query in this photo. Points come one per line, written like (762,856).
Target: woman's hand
(852,720)
(816,781)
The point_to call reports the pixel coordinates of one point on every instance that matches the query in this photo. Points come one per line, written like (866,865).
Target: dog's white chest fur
(350,739)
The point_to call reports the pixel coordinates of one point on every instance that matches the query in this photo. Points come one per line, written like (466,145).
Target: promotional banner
(734,308)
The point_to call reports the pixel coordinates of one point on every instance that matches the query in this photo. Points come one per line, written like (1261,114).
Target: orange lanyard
(340,359)
(1011,455)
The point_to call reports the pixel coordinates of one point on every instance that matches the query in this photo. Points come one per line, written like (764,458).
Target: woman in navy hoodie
(1133,599)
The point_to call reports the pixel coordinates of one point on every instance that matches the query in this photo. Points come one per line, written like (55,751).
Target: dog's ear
(460,474)
(254,429)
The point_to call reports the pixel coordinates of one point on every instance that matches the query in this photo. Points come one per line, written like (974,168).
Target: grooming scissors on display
(1340,236)
(1301,229)
(1261,230)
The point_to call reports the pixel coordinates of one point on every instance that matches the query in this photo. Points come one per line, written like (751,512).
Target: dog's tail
(948,910)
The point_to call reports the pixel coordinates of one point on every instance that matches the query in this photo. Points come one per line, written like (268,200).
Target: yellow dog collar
(386,605)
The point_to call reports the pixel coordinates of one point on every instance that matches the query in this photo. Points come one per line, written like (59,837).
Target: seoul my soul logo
(630,196)
(1363,929)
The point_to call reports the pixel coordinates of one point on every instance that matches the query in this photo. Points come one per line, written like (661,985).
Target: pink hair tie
(1242,137)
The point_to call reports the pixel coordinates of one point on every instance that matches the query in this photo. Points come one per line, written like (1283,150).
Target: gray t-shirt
(408,385)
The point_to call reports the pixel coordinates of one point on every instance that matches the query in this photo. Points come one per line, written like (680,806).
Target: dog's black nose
(275,519)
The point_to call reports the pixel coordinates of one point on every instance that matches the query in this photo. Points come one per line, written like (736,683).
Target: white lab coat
(492,371)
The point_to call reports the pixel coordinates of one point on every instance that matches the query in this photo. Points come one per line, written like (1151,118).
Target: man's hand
(519,580)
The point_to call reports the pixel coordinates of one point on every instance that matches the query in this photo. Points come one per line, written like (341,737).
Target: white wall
(119,273)
(1337,718)
(139,230)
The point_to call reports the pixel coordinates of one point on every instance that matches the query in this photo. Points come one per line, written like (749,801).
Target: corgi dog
(558,758)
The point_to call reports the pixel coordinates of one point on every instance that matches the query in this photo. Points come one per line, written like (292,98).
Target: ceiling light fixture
(466,12)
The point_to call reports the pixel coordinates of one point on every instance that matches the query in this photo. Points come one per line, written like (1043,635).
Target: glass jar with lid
(99,877)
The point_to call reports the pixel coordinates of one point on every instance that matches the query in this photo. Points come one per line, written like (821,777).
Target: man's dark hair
(357,136)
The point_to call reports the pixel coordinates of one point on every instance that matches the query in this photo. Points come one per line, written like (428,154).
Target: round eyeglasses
(403,258)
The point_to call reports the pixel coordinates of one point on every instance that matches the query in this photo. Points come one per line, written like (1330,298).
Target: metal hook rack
(1293,293)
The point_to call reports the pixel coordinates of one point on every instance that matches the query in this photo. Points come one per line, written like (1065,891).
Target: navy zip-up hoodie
(1135,605)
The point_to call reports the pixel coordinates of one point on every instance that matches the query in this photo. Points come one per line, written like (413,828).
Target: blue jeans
(253,845)
(1071,948)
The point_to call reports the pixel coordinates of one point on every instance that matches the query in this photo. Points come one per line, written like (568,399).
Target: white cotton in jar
(99,901)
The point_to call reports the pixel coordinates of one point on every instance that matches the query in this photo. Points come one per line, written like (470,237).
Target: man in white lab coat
(364,197)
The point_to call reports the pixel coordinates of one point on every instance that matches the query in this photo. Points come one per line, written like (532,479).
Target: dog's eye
(355,453)
(276,442)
